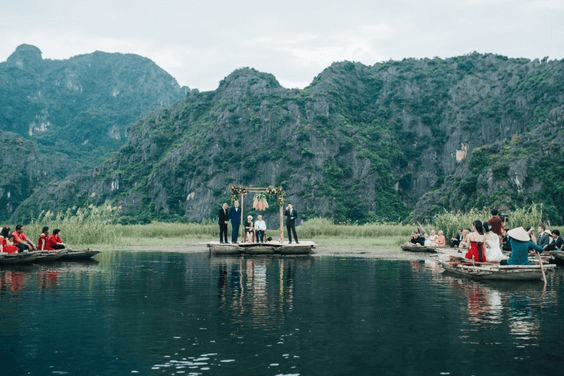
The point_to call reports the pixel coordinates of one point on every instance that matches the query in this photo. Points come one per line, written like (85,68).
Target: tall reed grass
(324,227)
(83,226)
(449,223)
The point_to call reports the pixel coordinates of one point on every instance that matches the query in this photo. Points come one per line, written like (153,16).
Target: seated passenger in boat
(54,241)
(544,236)
(249,230)
(492,242)
(476,251)
(260,229)
(457,239)
(556,243)
(417,238)
(6,241)
(42,240)
(441,240)
(520,245)
(464,243)
(431,241)
(21,241)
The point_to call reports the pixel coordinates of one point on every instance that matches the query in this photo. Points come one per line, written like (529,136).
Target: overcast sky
(201,42)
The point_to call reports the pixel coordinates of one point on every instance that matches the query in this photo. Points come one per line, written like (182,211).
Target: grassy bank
(322,231)
(97,227)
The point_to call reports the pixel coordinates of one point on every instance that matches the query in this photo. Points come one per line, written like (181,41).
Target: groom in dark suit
(235,216)
(223,221)
(291,215)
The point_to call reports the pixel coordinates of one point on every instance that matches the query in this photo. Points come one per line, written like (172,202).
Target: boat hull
(410,247)
(492,272)
(46,256)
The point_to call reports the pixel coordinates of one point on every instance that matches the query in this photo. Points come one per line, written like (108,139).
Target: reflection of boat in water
(494,272)
(46,256)
(410,247)
(302,248)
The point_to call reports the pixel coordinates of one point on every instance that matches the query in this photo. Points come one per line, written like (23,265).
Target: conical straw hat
(519,233)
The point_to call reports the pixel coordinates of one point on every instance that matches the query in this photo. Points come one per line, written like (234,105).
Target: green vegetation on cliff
(360,144)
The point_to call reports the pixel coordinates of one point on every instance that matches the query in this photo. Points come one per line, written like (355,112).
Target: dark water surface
(189,314)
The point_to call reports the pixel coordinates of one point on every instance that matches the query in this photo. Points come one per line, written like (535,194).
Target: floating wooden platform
(301,248)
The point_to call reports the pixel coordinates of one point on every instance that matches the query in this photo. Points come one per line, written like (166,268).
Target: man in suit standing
(291,215)
(235,216)
(223,220)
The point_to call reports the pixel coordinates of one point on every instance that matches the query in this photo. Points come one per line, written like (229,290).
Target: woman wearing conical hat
(521,243)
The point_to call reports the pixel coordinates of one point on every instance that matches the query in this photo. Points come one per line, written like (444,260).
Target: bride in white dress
(491,239)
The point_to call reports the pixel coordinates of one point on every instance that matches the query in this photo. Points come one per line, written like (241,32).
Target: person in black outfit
(223,220)
(556,243)
(291,215)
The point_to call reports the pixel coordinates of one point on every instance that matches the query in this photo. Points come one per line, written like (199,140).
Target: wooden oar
(542,269)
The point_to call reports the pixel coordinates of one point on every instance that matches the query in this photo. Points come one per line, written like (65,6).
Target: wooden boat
(47,256)
(302,248)
(82,254)
(410,247)
(494,272)
(557,258)
(17,258)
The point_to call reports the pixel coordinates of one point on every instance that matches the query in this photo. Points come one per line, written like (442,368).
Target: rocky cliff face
(76,111)
(361,143)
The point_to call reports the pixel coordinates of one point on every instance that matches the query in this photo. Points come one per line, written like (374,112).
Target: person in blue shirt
(520,245)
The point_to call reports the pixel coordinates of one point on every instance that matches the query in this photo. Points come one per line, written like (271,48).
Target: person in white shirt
(260,229)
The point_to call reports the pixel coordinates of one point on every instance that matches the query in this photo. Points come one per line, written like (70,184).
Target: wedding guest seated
(520,245)
(260,229)
(492,243)
(464,243)
(54,241)
(457,238)
(544,236)
(441,240)
(42,240)
(476,250)
(556,243)
(249,230)
(6,241)
(21,241)
(417,238)
(431,241)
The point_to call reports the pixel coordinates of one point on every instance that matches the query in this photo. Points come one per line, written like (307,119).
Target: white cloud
(199,42)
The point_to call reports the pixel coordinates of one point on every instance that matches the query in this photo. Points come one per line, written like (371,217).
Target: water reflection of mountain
(258,291)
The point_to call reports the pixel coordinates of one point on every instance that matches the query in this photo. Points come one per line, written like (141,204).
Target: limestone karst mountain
(361,143)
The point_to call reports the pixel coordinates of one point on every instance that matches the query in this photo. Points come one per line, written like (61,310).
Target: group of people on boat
(486,240)
(436,239)
(255,232)
(17,241)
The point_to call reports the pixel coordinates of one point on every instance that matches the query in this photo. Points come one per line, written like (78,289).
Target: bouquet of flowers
(259,202)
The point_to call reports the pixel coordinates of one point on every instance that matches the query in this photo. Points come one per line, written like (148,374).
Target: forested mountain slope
(361,143)
(72,113)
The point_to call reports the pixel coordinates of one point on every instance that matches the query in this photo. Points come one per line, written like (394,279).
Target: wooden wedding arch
(239,192)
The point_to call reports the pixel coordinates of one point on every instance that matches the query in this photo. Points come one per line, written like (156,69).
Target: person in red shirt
(54,241)
(497,223)
(21,241)
(42,240)
(6,244)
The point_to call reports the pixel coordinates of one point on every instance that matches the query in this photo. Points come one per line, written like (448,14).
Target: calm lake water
(188,314)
